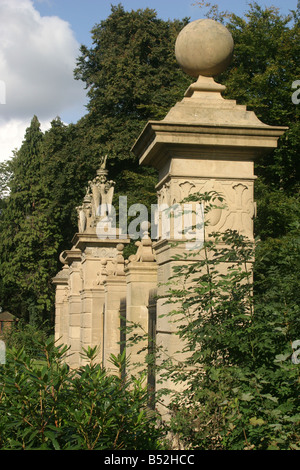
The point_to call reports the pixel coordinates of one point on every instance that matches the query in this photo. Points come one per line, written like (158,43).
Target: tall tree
(64,174)
(266,63)
(29,237)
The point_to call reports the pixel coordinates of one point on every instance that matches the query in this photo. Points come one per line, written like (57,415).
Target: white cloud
(12,134)
(37,58)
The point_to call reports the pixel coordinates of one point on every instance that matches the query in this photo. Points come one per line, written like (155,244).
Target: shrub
(54,408)
(28,336)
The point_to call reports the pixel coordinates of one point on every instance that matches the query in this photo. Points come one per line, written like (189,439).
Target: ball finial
(204,47)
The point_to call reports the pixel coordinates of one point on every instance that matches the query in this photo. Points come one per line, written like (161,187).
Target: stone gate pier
(205,143)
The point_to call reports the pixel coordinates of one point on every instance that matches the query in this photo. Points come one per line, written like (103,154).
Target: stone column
(205,143)
(96,253)
(141,279)
(73,259)
(115,293)
(61,282)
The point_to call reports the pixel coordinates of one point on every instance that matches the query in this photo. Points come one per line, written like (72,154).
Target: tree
(265,65)
(5,175)
(29,236)
(132,76)
(65,173)
(267,49)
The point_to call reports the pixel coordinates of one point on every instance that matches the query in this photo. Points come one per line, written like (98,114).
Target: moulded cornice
(161,140)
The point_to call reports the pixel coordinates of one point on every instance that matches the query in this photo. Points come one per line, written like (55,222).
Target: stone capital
(161,141)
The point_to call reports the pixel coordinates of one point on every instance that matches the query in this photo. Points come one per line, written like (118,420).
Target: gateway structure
(205,143)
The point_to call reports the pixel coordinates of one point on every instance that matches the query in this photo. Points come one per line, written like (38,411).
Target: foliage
(27,336)
(29,235)
(5,176)
(131,76)
(240,387)
(265,62)
(51,407)
(131,71)
(265,65)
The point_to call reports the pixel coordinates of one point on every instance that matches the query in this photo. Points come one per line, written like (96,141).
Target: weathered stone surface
(204,47)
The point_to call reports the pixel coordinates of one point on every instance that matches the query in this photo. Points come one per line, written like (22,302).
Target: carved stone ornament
(100,252)
(98,199)
(145,251)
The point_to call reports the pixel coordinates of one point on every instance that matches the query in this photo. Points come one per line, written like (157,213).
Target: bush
(28,336)
(54,408)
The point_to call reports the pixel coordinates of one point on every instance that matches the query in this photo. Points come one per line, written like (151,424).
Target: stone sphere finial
(204,47)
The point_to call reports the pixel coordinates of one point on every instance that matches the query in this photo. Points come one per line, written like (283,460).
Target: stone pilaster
(73,259)
(94,250)
(97,255)
(141,279)
(61,282)
(115,293)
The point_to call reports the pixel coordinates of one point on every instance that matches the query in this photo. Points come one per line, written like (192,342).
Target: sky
(39,45)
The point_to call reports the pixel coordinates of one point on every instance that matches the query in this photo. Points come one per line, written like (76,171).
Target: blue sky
(84,14)
(39,45)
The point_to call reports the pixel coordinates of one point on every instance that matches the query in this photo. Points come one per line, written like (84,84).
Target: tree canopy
(131,76)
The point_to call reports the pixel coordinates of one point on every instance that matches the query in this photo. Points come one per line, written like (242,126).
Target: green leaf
(246,397)
(257,421)
(270,397)
(51,436)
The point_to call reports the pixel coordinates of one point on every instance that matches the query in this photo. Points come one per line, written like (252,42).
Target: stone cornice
(81,241)
(70,256)
(160,140)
